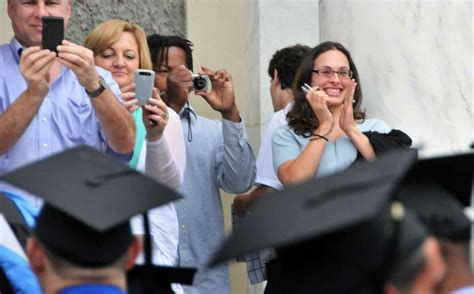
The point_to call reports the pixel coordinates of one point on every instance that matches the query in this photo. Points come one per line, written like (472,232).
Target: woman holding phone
(121,48)
(327,130)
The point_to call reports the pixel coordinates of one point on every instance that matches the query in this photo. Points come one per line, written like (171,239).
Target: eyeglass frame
(350,72)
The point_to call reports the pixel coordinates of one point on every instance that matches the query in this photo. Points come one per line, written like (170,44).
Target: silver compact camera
(200,82)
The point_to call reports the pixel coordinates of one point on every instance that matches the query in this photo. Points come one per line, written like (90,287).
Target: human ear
(35,255)
(133,252)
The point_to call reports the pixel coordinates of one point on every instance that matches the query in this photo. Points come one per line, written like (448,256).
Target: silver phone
(305,88)
(144,82)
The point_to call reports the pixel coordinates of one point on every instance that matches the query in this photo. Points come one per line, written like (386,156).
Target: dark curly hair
(159,45)
(286,61)
(301,117)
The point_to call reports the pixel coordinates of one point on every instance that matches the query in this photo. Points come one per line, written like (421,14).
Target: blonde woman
(121,48)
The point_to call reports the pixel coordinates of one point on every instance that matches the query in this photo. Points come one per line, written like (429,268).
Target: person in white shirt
(121,48)
(282,70)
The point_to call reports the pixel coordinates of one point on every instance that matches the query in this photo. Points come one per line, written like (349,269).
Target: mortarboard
(90,198)
(344,227)
(437,190)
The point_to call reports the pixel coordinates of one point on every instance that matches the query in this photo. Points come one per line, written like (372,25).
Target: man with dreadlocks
(218,155)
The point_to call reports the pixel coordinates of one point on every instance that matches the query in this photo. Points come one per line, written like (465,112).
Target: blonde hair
(109,32)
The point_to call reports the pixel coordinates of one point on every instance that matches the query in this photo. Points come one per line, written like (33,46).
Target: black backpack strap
(10,211)
(15,219)
(5,286)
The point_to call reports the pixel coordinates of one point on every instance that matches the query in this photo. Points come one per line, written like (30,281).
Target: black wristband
(317,136)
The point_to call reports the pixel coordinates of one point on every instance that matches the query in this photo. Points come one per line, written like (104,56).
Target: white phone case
(144,81)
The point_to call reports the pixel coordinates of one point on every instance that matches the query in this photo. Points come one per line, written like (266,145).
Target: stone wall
(155,16)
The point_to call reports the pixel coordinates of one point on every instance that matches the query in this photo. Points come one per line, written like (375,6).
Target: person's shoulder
(284,132)
(5,55)
(279,117)
(4,47)
(172,113)
(374,124)
(210,124)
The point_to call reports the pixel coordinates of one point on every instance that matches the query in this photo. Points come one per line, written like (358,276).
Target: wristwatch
(95,93)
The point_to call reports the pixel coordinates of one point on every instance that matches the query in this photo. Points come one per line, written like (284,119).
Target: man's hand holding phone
(34,66)
(81,61)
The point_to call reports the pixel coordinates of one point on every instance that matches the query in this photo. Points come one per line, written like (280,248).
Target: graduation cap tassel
(147,240)
(148,286)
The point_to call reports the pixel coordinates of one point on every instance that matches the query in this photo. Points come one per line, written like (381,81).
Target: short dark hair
(301,118)
(159,45)
(286,61)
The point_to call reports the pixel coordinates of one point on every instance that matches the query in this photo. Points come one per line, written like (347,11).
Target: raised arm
(114,119)
(294,167)
(235,157)
(165,156)
(35,65)
(349,126)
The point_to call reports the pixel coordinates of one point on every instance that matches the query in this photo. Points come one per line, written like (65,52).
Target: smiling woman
(121,48)
(327,130)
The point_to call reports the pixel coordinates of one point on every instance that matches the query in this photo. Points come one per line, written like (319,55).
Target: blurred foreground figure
(344,233)
(437,190)
(82,241)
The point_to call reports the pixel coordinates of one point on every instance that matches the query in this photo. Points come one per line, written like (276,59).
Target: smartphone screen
(53,32)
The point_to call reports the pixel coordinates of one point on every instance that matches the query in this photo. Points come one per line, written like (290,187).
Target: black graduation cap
(437,190)
(87,190)
(344,224)
(90,198)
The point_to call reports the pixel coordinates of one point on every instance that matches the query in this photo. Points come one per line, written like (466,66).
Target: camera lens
(199,83)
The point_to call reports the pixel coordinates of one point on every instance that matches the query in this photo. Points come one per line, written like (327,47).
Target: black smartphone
(53,32)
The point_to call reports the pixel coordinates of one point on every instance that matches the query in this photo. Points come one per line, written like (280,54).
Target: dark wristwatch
(95,93)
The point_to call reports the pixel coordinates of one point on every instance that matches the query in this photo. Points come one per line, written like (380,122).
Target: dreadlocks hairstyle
(159,45)
(286,61)
(301,117)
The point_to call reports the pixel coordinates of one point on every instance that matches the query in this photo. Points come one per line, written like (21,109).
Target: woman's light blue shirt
(337,155)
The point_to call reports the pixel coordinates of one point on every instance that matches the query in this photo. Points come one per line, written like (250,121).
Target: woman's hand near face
(349,125)
(128,97)
(155,117)
(318,99)
(346,120)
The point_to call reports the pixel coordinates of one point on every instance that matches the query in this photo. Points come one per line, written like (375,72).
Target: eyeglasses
(328,73)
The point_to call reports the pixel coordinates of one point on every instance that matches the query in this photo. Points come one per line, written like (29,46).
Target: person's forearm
(305,166)
(161,165)
(362,144)
(16,119)
(232,115)
(258,192)
(116,122)
(237,171)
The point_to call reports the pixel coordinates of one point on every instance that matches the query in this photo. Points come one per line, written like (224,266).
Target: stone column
(271,25)
(415,59)
(155,16)
(6,32)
